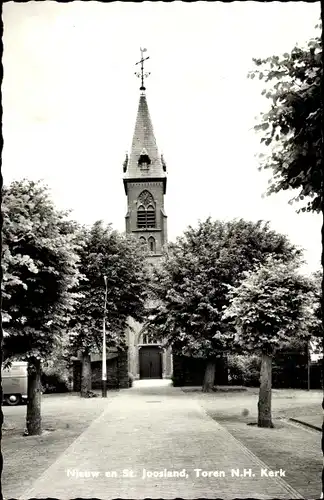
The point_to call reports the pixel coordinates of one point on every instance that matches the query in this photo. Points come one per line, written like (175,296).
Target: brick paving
(157,428)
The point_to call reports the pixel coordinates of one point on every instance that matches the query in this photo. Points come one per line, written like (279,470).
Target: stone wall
(157,191)
(168,369)
(112,374)
(132,333)
(189,371)
(122,370)
(134,339)
(117,373)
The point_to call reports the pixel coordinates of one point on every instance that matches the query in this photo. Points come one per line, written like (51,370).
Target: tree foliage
(107,253)
(272,308)
(291,128)
(317,326)
(193,281)
(40,269)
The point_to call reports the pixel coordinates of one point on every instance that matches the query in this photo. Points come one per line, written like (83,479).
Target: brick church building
(145,182)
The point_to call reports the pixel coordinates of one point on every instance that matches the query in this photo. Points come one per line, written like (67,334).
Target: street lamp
(308,365)
(104,356)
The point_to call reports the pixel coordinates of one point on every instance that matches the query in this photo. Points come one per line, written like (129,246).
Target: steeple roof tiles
(144,143)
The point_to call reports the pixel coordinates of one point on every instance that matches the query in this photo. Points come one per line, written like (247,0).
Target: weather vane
(142,75)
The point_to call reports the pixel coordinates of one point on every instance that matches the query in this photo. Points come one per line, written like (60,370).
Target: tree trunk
(264,404)
(209,378)
(225,367)
(85,375)
(308,367)
(33,416)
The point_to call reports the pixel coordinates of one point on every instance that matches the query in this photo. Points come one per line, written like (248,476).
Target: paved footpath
(156,428)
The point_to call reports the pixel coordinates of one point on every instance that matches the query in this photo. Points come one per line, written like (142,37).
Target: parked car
(14,383)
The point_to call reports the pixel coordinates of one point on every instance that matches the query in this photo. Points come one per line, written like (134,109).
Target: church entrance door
(150,362)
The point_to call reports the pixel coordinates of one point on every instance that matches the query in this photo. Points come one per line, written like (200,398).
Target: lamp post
(308,365)
(104,356)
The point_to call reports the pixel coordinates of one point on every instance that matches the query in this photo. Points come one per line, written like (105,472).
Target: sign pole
(104,354)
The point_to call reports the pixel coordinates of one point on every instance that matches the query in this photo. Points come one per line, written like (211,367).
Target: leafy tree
(272,308)
(39,265)
(57,370)
(192,284)
(317,327)
(291,129)
(121,260)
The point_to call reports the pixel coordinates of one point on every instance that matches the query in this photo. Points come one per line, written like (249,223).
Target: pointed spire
(144,148)
(144,161)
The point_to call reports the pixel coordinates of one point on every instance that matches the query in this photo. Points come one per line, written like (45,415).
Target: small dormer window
(144,160)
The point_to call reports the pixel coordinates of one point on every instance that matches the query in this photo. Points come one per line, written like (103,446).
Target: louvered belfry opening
(146,216)
(141,217)
(150,216)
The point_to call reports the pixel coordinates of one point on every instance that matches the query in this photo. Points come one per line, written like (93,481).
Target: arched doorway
(150,361)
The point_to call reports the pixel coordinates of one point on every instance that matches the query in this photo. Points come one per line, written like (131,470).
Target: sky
(70,98)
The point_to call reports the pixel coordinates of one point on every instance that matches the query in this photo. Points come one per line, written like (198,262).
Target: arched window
(148,338)
(142,240)
(152,244)
(146,217)
(145,198)
(141,217)
(150,216)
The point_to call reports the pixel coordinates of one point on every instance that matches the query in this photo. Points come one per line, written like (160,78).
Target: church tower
(145,181)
